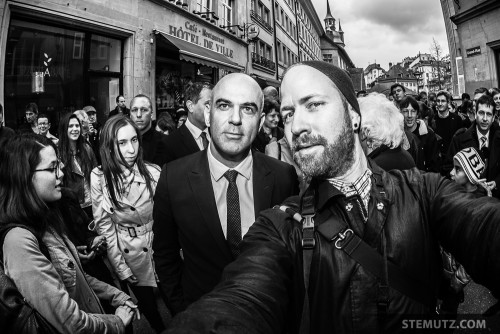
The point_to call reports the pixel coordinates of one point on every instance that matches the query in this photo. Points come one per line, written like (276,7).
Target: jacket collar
(326,191)
(422,128)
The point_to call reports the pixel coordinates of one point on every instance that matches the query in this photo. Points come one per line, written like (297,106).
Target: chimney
(390,65)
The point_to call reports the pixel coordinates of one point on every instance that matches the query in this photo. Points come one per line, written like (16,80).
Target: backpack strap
(344,238)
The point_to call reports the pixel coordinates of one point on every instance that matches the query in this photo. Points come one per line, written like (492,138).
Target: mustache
(307,140)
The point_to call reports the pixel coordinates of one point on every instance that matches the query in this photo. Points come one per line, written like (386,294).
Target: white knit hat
(471,163)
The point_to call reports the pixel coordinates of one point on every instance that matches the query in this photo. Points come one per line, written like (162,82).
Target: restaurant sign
(192,33)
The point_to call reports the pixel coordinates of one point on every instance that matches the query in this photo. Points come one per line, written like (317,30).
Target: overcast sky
(386,30)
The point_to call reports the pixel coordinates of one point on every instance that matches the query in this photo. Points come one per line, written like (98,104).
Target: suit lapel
(188,139)
(201,186)
(263,182)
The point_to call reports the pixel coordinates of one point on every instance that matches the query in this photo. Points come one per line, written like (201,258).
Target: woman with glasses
(122,201)
(36,253)
(78,158)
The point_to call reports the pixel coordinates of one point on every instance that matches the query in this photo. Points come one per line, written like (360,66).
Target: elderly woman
(382,133)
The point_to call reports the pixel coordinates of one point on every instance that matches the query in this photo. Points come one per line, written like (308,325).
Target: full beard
(336,158)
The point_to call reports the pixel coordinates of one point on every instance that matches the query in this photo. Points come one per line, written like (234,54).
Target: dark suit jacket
(185,216)
(490,155)
(180,143)
(154,146)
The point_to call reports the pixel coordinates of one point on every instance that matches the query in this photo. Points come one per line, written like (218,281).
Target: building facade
(332,43)
(64,55)
(310,30)
(473,31)
(371,73)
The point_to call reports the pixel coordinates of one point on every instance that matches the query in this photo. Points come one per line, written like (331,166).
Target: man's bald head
(234,117)
(270,93)
(240,79)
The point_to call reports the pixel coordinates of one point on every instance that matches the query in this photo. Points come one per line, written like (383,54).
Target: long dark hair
(112,159)
(19,201)
(84,155)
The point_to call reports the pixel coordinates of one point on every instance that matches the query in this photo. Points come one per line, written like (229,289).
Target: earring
(355,126)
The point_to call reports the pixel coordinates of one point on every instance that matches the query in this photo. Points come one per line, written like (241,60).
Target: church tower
(329,19)
(331,31)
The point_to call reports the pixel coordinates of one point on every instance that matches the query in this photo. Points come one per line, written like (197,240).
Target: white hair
(382,123)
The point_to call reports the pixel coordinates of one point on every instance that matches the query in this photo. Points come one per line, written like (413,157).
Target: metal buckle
(308,241)
(132,232)
(91,226)
(343,236)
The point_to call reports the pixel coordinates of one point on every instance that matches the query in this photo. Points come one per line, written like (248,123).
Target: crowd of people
(242,214)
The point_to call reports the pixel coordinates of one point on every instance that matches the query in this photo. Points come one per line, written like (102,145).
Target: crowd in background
(93,214)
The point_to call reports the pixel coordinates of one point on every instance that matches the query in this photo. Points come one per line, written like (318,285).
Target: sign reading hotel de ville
(199,35)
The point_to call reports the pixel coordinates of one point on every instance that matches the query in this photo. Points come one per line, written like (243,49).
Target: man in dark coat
(153,142)
(193,135)
(194,210)
(483,135)
(447,124)
(427,142)
(398,218)
(121,108)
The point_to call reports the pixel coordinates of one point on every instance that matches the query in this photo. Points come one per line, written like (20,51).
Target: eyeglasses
(57,169)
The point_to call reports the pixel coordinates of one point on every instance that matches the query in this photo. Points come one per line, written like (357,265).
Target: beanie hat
(339,77)
(471,163)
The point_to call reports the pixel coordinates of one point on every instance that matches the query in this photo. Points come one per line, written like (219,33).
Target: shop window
(78,68)
(226,12)
(105,54)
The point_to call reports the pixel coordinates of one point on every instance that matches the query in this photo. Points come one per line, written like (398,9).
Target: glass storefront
(173,76)
(61,70)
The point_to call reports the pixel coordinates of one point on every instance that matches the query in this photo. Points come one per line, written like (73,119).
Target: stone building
(64,55)
(473,31)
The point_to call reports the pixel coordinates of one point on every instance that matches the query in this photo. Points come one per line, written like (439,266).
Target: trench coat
(128,229)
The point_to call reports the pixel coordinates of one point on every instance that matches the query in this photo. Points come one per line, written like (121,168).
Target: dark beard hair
(336,158)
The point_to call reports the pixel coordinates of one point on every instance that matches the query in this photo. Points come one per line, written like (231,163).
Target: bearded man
(366,254)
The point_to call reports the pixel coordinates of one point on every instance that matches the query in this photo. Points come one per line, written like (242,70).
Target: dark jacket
(262,291)
(428,146)
(396,158)
(154,147)
(262,139)
(116,111)
(186,217)
(180,143)
(94,141)
(74,180)
(490,155)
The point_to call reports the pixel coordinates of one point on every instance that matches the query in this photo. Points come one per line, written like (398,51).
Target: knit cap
(339,77)
(471,163)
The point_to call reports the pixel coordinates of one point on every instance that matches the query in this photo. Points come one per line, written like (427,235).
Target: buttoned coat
(186,217)
(129,252)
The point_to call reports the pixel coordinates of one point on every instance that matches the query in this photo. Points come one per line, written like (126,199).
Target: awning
(264,82)
(198,55)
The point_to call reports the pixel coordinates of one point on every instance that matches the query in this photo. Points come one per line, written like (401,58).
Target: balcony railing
(262,61)
(260,20)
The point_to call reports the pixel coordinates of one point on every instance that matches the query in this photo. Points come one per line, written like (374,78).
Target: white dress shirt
(244,182)
(196,133)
